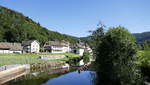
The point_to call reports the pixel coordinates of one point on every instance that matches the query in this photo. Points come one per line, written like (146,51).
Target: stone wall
(51,57)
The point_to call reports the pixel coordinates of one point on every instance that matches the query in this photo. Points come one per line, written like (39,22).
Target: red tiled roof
(11,46)
(4,46)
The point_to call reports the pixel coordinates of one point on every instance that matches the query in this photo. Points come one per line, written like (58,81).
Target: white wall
(60,49)
(35,47)
(57,49)
(9,51)
(1,51)
(53,51)
(81,51)
(66,49)
(81,62)
(17,51)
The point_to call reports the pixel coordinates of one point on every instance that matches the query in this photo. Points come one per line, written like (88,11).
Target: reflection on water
(56,77)
(72,78)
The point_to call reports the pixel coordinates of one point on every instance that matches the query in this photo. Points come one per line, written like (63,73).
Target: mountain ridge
(141,37)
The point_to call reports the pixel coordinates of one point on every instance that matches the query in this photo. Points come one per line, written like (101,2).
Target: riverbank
(40,77)
(8,59)
(11,72)
(34,70)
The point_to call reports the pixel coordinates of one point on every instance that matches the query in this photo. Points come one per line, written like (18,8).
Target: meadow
(7,59)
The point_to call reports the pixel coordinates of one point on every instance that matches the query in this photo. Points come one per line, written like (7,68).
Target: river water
(56,77)
(72,78)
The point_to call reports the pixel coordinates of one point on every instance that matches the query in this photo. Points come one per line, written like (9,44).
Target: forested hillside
(141,37)
(15,27)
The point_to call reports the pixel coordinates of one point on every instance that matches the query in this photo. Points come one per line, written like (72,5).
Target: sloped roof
(56,43)
(16,46)
(10,46)
(4,46)
(78,45)
(24,43)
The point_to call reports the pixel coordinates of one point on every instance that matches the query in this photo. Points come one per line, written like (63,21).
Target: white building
(56,47)
(31,46)
(10,48)
(78,48)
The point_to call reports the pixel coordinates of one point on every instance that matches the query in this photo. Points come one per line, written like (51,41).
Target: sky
(77,17)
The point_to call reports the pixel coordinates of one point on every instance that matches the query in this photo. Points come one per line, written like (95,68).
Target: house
(78,48)
(31,46)
(57,47)
(10,48)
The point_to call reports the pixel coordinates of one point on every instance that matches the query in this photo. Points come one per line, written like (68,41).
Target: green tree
(96,36)
(86,57)
(146,45)
(115,57)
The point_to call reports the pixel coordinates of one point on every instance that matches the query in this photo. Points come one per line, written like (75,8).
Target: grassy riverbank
(7,59)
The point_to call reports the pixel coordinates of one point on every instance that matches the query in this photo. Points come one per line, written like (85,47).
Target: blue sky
(77,17)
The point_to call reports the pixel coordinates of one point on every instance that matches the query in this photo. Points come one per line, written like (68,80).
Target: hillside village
(74,42)
(33,46)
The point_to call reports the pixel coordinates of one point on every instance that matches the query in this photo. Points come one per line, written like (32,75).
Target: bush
(86,57)
(73,61)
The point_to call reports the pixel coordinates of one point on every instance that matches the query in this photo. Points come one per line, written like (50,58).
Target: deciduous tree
(115,58)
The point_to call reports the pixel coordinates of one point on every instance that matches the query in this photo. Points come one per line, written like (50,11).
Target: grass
(7,59)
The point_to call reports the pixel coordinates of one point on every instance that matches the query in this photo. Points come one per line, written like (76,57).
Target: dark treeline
(15,27)
(141,37)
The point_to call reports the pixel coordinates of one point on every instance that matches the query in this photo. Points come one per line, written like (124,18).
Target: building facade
(56,47)
(10,48)
(78,48)
(31,46)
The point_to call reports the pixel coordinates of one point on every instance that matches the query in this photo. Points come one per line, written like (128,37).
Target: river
(70,76)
